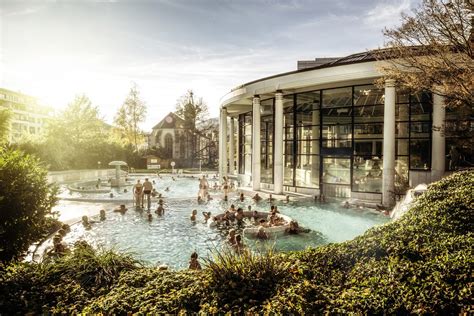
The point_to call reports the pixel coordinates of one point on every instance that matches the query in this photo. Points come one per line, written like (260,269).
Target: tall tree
(80,121)
(129,116)
(73,135)
(194,112)
(433,50)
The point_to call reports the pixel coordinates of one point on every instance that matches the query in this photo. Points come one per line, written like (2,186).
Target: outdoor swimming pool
(171,238)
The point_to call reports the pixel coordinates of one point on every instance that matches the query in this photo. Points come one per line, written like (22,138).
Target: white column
(231,146)
(222,144)
(278,143)
(315,147)
(256,144)
(221,139)
(237,147)
(438,151)
(388,181)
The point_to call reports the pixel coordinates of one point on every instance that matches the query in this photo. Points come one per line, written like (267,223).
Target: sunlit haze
(56,49)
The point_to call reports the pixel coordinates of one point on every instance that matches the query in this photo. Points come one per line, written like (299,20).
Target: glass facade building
(333,139)
(329,130)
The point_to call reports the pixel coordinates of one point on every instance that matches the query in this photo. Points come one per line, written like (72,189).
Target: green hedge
(419,264)
(26,202)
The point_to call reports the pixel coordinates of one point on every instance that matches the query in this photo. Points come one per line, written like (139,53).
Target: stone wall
(79,175)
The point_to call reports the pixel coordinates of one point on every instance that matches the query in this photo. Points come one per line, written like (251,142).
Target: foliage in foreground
(65,284)
(421,264)
(26,201)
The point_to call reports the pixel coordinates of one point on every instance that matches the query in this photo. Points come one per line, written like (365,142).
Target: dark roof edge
(340,62)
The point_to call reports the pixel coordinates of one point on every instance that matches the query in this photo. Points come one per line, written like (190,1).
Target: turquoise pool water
(171,238)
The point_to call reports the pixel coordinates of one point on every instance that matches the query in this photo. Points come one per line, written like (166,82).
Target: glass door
(336,176)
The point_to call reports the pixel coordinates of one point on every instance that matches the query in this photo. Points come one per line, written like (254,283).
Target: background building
(170,140)
(328,130)
(28,117)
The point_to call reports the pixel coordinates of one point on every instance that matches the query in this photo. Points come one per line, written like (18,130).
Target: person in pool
(147,188)
(121,209)
(273,219)
(232,208)
(257,198)
(160,210)
(261,233)
(85,222)
(207,216)
(256,217)
(214,221)
(231,237)
(239,246)
(58,247)
(225,186)
(194,263)
(241,197)
(138,193)
(203,186)
(295,229)
(102,215)
(239,216)
(150,217)
(193,215)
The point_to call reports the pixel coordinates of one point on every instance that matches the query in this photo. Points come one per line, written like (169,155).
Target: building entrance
(336,176)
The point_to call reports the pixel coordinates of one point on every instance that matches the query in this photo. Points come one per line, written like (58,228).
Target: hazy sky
(57,49)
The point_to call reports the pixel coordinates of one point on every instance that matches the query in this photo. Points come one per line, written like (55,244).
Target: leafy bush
(26,200)
(63,284)
(420,264)
(245,279)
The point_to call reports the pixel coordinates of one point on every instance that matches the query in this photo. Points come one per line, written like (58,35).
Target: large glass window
(339,132)
(308,129)
(368,95)
(336,176)
(245,143)
(368,139)
(266,138)
(288,139)
(340,97)
(459,131)
(337,118)
(420,131)
(402,140)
